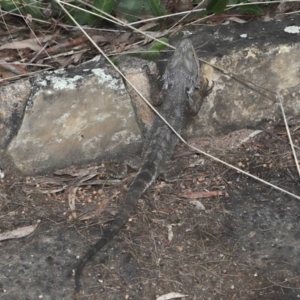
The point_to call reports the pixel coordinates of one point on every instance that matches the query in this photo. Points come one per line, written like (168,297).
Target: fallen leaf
(171,295)
(31,44)
(170,233)
(147,26)
(198,204)
(2,174)
(18,233)
(237,20)
(195,195)
(34,43)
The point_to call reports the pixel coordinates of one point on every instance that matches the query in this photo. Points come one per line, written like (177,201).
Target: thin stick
(279,99)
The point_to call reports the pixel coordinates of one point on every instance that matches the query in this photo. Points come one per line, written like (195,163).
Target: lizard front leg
(195,97)
(157,93)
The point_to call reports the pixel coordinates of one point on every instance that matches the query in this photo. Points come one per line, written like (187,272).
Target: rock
(260,52)
(134,72)
(13,99)
(74,117)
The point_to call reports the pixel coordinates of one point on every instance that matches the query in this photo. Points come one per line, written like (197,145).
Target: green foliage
(131,10)
(82,17)
(218,7)
(9,5)
(105,5)
(33,8)
(25,7)
(155,7)
(151,54)
(154,50)
(251,9)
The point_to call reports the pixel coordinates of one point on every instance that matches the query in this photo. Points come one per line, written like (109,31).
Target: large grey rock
(266,54)
(74,117)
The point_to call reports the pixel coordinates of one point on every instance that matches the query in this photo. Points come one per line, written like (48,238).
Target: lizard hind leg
(172,171)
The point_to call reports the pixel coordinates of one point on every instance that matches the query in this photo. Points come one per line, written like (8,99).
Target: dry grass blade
(186,15)
(48,68)
(17,70)
(107,17)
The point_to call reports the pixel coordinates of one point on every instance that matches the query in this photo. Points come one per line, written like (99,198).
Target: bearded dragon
(180,80)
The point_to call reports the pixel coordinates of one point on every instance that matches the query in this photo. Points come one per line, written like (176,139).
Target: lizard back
(180,79)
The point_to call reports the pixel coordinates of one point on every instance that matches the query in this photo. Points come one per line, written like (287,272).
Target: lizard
(180,80)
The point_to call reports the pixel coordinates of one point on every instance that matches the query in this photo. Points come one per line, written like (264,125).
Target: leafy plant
(218,7)
(25,7)
(131,10)
(154,50)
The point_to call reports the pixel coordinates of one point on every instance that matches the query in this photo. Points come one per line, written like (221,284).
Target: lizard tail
(143,180)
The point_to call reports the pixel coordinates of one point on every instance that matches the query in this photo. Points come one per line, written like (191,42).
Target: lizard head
(184,65)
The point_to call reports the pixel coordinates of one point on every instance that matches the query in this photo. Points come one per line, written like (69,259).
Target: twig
(9,67)
(39,52)
(24,75)
(279,99)
(62,46)
(278,138)
(186,15)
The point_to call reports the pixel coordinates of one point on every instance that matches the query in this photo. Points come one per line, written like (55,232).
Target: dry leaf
(147,26)
(237,20)
(170,233)
(31,44)
(196,195)
(198,204)
(171,295)
(18,233)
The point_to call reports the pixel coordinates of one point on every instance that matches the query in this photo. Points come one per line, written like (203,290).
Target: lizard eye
(188,91)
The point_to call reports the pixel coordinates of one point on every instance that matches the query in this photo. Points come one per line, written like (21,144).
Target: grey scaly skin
(180,79)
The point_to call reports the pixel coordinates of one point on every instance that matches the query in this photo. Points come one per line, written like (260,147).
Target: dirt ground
(241,245)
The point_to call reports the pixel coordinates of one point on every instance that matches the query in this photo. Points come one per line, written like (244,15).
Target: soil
(242,245)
